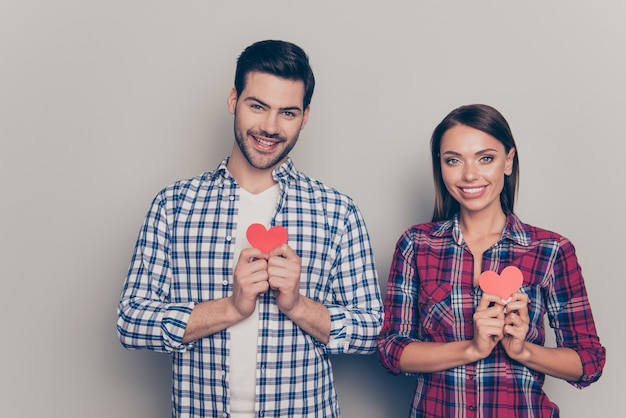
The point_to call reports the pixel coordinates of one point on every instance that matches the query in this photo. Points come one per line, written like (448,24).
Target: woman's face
(473,166)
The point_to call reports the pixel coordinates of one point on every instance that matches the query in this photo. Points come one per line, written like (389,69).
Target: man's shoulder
(305,184)
(187,186)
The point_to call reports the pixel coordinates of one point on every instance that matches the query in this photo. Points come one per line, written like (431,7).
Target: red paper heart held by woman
(504,284)
(266,240)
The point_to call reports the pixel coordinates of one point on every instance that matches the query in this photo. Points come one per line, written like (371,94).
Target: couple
(250,329)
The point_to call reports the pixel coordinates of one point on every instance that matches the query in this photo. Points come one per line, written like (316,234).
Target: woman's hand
(488,324)
(516,326)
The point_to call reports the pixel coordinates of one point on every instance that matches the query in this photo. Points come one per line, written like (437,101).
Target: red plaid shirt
(431,297)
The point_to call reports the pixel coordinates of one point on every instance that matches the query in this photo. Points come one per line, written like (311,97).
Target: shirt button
(231,197)
(229,238)
(225,282)
(472,407)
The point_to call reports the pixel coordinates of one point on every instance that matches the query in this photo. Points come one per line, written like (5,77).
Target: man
(250,330)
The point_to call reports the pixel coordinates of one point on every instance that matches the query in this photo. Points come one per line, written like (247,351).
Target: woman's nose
(470,172)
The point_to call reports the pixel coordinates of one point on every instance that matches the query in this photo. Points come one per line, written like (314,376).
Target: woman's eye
(486,159)
(452,161)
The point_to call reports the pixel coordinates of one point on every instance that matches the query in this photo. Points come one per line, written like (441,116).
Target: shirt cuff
(173,326)
(593,364)
(340,330)
(393,349)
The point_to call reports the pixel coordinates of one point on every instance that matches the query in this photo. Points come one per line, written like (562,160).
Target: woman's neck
(482,225)
(480,232)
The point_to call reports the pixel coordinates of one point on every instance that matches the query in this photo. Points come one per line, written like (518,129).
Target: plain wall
(103,103)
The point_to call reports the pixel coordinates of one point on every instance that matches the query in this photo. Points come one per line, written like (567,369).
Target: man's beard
(262,163)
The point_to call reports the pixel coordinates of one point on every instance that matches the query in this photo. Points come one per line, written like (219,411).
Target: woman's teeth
(473,190)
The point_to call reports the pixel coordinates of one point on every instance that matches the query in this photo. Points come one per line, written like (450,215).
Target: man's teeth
(263,142)
(473,190)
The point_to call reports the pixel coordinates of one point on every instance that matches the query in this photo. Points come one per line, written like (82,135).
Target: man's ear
(232,101)
(305,117)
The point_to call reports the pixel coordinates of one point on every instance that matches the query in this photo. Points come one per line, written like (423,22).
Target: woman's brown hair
(488,120)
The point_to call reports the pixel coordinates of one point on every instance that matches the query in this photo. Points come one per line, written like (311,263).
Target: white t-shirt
(253,208)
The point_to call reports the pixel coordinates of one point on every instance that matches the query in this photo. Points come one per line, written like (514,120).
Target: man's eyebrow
(262,103)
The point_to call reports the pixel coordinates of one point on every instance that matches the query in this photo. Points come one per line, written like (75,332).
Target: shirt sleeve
(400,306)
(356,308)
(570,315)
(146,317)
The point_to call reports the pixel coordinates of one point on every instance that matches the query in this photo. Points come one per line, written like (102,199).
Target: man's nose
(270,123)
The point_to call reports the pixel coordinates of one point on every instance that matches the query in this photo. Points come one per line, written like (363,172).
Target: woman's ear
(508,167)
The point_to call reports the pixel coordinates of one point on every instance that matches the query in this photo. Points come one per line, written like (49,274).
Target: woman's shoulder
(430,230)
(535,233)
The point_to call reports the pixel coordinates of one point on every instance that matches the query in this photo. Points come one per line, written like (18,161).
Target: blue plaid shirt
(184,255)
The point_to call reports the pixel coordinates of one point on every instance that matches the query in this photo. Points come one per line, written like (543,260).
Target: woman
(475,353)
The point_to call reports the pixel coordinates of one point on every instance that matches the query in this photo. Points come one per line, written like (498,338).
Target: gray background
(102,103)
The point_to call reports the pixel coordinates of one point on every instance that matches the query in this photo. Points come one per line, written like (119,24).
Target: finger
(251,254)
(487,299)
(251,272)
(277,262)
(520,316)
(512,318)
(261,286)
(284,251)
(519,298)
(284,282)
(492,331)
(495,321)
(515,331)
(286,265)
(495,311)
(519,305)
(515,326)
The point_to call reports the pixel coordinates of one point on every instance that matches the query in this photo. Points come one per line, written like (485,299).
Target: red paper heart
(503,284)
(265,240)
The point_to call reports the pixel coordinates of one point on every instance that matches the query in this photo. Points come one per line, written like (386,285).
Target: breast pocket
(435,308)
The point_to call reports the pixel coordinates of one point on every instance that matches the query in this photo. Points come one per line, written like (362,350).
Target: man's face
(268,118)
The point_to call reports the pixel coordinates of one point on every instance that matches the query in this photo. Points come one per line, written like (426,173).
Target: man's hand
(250,280)
(283,268)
